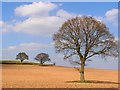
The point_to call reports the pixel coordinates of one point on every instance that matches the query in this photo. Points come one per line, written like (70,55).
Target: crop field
(35,76)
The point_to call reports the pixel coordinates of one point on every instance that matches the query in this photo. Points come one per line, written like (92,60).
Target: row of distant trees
(42,57)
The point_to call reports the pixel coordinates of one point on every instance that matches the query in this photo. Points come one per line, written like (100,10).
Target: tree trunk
(41,62)
(21,61)
(82,78)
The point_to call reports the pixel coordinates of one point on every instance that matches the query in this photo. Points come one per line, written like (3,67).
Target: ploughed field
(34,76)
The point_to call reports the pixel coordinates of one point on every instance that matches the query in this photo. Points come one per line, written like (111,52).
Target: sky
(29,27)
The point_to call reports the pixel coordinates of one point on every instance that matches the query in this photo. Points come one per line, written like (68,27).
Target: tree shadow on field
(93,81)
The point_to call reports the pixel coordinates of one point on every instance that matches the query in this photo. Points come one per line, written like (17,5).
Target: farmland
(35,76)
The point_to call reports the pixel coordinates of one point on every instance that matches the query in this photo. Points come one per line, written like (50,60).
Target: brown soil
(33,76)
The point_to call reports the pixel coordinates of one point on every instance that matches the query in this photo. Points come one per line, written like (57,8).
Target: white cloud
(39,26)
(112,16)
(44,26)
(27,47)
(64,14)
(34,9)
(39,22)
(5,27)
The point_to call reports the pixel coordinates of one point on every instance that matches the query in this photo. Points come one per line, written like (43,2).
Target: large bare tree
(84,37)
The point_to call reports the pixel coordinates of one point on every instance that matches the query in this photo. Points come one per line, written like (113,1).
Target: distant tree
(22,56)
(42,58)
(85,37)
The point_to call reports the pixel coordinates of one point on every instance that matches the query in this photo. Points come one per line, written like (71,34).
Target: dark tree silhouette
(42,58)
(84,37)
(22,56)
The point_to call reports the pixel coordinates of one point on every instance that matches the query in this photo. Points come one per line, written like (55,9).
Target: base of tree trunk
(82,78)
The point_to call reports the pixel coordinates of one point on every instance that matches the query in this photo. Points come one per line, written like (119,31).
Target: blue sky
(29,27)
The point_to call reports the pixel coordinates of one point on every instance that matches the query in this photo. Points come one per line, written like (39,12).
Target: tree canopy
(42,58)
(22,56)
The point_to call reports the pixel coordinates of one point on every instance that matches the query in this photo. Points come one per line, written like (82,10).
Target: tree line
(42,57)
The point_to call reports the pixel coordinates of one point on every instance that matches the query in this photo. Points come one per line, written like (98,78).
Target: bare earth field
(33,76)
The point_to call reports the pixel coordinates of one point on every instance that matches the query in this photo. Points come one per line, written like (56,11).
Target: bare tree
(84,37)
(22,56)
(42,58)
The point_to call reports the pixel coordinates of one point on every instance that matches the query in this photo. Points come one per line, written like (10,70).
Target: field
(35,76)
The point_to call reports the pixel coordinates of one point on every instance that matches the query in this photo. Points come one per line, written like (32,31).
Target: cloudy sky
(29,27)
